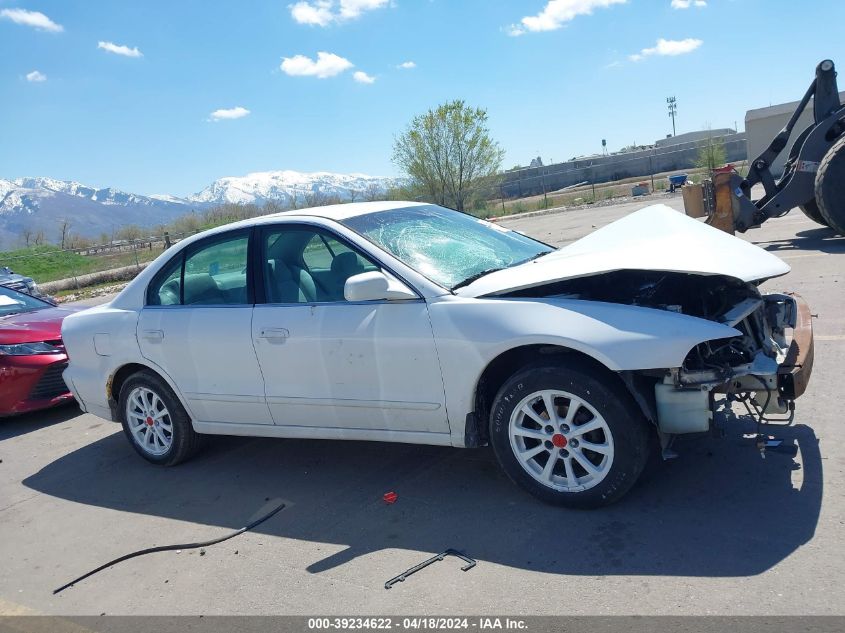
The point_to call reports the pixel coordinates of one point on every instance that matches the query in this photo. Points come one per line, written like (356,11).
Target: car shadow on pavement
(28,422)
(717,510)
(821,239)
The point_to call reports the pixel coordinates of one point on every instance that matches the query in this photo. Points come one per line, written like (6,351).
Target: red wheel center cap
(559,440)
(149,421)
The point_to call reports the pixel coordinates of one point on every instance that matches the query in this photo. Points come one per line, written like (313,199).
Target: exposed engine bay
(756,368)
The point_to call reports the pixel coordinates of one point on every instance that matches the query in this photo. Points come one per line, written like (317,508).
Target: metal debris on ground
(470,563)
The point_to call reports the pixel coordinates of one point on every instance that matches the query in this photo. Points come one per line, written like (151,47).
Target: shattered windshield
(448,247)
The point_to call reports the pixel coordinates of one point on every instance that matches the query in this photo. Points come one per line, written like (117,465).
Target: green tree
(711,154)
(447,152)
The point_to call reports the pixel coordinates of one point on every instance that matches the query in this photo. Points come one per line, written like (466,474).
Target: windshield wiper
(475,277)
(483,273)
(533,257)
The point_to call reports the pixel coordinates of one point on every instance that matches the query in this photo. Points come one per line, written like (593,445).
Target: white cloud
(120,49)
(325,12)
(556,13)
(36,76)
(35,19)
(228,113)
(686,4)
(363,78)
(407,65)
(353,8)
(317,13)
(326,65)
(668,48)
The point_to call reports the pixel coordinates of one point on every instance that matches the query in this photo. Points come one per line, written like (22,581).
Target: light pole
(673,110)
(543,176)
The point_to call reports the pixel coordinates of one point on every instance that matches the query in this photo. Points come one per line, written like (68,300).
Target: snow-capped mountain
(43,204)
(285,186)
(32,189)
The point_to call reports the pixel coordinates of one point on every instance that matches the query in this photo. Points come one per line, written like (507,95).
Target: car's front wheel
(154,420)
(570,435)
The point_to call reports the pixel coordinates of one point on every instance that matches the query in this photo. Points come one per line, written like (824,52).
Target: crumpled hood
(654,238)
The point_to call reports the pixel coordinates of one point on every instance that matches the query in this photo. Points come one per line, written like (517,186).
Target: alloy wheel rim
(561,440)
(149,421)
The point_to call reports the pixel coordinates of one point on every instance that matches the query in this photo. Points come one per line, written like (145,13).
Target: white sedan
(408,322)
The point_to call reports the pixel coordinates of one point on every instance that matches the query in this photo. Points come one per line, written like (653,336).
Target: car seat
(200,288)
(289,283)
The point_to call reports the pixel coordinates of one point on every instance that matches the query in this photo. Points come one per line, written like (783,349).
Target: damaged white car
(406,322)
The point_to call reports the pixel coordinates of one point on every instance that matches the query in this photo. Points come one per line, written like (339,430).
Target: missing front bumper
(769,387)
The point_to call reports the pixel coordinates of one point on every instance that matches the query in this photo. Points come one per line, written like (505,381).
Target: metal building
(763,124)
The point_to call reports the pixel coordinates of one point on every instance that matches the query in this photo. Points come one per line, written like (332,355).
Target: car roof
(335,212)
(340,212)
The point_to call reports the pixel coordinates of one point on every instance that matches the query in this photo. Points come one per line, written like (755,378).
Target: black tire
(602,391)
(811,210)
(184,441)
(830,187)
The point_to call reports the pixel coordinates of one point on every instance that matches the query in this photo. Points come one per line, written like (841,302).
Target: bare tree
(26,234)
(130,233)
(65,229)
(273,206)
(447,152)
(315,198)
(39,238)
(76,241)
(373,192)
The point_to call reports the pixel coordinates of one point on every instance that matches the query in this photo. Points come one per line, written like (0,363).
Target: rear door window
(215,272)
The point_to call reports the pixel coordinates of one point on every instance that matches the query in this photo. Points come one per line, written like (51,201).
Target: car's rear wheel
(569,435)
(156,423)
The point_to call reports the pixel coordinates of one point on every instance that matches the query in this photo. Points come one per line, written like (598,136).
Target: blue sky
(127,89)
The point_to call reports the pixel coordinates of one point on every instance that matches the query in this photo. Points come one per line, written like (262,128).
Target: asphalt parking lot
(717,531)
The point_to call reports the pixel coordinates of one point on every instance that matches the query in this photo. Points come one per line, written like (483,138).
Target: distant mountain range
(42,204)
(282,186)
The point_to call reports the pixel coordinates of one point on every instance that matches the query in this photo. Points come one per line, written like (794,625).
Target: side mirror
(376,286)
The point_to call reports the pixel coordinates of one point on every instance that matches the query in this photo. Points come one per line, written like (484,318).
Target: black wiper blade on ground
(475,277)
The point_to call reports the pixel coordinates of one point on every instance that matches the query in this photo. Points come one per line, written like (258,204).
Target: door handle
(274,335)
(154,336)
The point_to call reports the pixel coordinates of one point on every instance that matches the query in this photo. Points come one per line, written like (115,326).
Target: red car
(32,355)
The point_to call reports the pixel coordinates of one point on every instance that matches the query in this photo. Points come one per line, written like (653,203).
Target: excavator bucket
(714,200)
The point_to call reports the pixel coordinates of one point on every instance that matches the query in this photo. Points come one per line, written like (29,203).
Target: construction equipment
(813,178)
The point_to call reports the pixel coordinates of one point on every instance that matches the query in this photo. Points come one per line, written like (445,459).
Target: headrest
(347,264)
